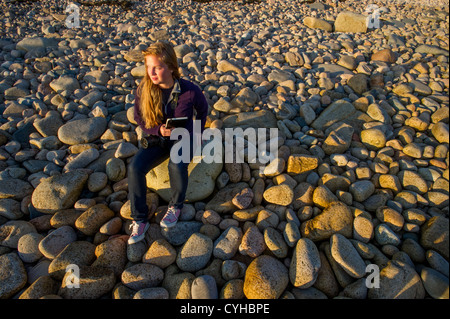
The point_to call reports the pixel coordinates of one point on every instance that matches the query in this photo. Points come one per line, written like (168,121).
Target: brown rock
(337,218)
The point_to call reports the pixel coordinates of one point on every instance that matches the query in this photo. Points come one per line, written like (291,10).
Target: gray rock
(226,246)
(152,293)
(335,112)
(275,242)
(398,280)
(81,253)
(435,235)
(65,83)
(11,282)
(58,192)
(347,256)
(361,190)
(431,49)
(305,264)
(180,233)
(10,208)
(32,43)
(93,218)
(15,189)
(437,262)
(12,231)
(195,253)
(204,287)
(82,131)
(56,241)
(435,283)
(384,235)
(94,282)
(141,276)
(82,160)
(265,278)
(92,97)
(28,247)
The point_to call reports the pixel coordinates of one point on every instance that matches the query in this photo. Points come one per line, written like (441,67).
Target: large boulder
(82,131)
(265,278)
(13,275)
(347,21)
(336,219)
(398,280)
(202,177)
(58,192)
(337,111)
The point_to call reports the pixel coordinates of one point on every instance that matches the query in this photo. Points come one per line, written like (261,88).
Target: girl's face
(159,72)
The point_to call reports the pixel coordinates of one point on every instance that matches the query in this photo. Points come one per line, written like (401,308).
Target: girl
(160,95)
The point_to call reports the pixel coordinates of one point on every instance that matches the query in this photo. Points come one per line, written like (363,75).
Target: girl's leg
(178,174)
(142,163)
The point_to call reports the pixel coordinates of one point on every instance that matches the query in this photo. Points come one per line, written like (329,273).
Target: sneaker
(138,230)
(171,217)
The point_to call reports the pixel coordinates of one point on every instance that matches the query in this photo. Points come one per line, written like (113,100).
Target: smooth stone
(398,280)
(11,282)
(93,218)
(347,21)
(252,243)
(435,283)
(435,235)
(361,190)
(141,276)
(305,264)
(15,188)
(204,287)
(56,241)
(265,278)
(202,178)
(12,231)
(112,254)
(335,112)
(152,293)
(258,119)
(180,233)
(279,195)
(384,235)
(347,256)
(195,253)
(337,218)
(28,247)
(82,131)
(160,253)
(81,253)
(226,246)
(94,282)
(275,242)
(316,23)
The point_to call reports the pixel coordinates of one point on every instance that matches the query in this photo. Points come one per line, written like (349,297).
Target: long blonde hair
(149,93)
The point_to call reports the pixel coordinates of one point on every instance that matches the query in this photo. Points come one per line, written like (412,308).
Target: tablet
(176,122)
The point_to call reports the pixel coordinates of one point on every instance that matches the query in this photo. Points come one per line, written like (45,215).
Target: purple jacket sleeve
(140,121)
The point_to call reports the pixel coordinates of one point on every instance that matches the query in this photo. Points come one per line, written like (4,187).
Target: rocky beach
(355,205)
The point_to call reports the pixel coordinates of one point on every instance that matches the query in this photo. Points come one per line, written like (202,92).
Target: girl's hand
(165,132)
